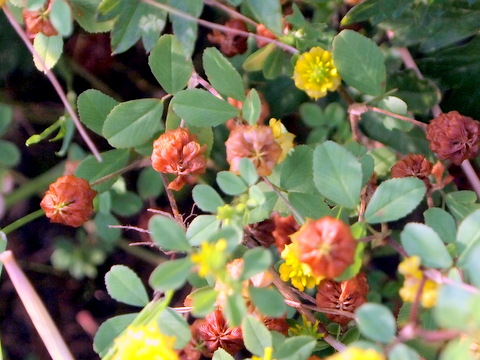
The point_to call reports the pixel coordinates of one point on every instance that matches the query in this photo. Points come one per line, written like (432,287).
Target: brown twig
(172,201)
(53,80)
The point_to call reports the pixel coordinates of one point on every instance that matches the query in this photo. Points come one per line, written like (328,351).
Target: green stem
(300,219)
(34,186)
(22,221)
(140,252)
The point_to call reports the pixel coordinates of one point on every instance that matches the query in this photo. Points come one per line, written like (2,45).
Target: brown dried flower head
(262,232)
(230,44)
(326,245)
(454,136)
(413,165)
(347,295)
(69,201)
(178,152)
(213,332)
(38,22)
(284,227)
(256,143)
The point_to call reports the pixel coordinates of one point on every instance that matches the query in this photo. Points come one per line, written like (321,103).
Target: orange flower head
(256,143)
(347,295)
(326,245)
(178,152)
(38,22)
(69,201)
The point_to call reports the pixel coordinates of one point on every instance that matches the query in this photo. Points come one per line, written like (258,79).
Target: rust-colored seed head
(263,31)
(327,245)
(284,227)
(347,295)
(454,136)
(277,324)
(256,143)
(415,166)
(69,201)
(214,333)
(38,22)
(230,44)
(178,152)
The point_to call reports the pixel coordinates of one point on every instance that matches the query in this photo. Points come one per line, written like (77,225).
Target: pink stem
(39,315)
(226,29)
(53,80)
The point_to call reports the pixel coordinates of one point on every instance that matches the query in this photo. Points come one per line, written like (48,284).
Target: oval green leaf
(133,123)
(255,335)
(170,65)
(230,183)
(109,330)
(376,322)
(423,241)
(360,62)
(170,275)
(93,108)
(394,199)
(222,75)
(206,198)
(125,286)
(337,174)
(167,234)
(200,108)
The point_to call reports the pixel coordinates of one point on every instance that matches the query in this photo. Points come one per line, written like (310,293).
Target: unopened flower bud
(69,201)
(454,136)
(256,143)
(326,245)
(178,152)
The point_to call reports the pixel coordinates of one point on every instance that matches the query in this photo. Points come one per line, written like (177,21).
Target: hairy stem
(53,80)
(223,28)
(136,164)
(397,116)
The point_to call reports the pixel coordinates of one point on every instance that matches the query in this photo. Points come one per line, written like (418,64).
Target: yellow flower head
(282,137)
(410,269)
(315,73)
(145,342)
(267,354)
(210,258)
(353,353)
(300,274)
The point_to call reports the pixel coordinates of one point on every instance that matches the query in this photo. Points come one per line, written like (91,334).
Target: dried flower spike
(213,332)
(38,22)
(413,165)
(256,143)
(454,136)
(178,152)
(315,73)
(347,295)
(230,44)
(69,201)
(326,245)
